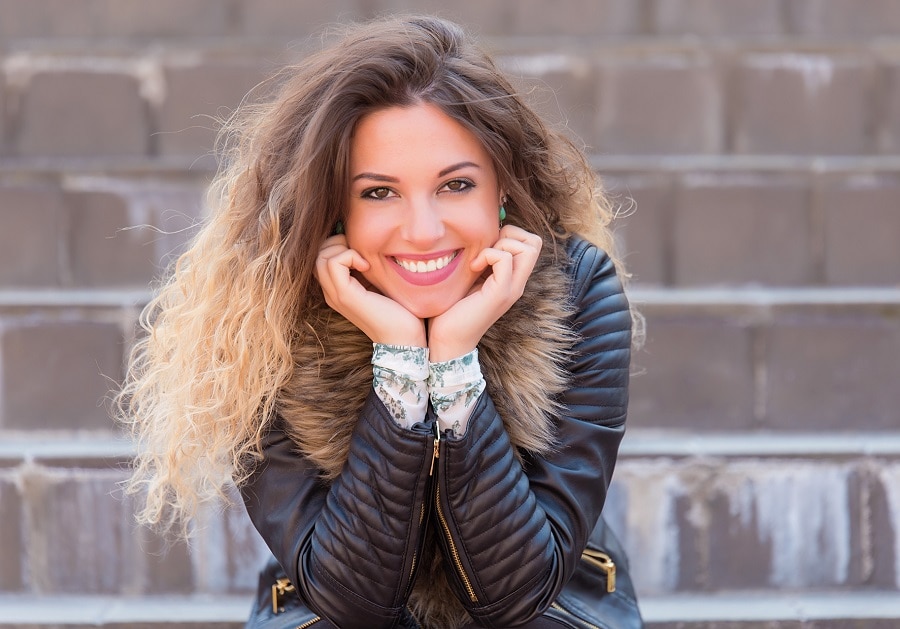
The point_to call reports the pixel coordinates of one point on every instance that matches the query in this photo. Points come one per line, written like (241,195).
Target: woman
(400,335)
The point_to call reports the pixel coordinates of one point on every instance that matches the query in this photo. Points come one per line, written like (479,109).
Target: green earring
(339,228)
(502,214)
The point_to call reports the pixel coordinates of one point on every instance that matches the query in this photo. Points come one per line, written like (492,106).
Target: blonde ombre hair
(204,381)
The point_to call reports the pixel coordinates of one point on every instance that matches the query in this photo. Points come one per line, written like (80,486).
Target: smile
(426,266)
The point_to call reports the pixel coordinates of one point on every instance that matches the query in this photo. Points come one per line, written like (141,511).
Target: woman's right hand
(381,319)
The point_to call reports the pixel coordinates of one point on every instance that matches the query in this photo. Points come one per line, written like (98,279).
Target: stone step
(697,512)
(781,360)
(159,101)
(740,610)
(685,222)
(170,19)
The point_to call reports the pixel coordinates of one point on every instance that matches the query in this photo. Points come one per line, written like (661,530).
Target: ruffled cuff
(454,386)
(400,375)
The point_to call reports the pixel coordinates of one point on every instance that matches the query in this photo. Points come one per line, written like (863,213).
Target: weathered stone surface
(741,229)
(69,113)
(531,17)
(197,99)
(163,18)
(659,104)
(46,18)
(292,19)
(891,132)
(12,536)
(562,88)
(108,246)
(693,373)
(30,233)
(717,17)
(833,373)
(82,536)
(229,553)
(824,104)
(56,373)
(643,204)
(841,18)
(752,524)
(861,216)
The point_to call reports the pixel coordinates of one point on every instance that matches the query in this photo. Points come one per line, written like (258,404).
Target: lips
(426,271)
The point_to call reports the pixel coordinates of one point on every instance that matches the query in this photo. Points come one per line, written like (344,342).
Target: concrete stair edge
(732,607)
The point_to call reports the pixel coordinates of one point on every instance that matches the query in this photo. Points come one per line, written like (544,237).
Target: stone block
(732,229)
(861,215)
(717,524)
(11,535)
(884,528)
(46,18)
(833,370)
(82,533)
(663,104)
(782,523)
(292,18)
(67,114)
(164,18)
(55,374)
(197,99)
(643,204)
(108,247)
(229,552)
(824,104)
(695,373)
(891,132)
(532,17)
(30,233)
(4,123)
(843,18)
(562,89)
(717,18)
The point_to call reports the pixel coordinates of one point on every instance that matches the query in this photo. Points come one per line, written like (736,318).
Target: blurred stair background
(758,142)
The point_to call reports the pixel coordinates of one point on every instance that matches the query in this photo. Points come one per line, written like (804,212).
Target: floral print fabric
(405,381)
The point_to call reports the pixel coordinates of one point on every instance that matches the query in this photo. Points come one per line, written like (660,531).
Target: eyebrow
(387,178)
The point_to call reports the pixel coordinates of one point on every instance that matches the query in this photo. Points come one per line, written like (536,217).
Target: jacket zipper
(281,587)
(565,612)
(440,511)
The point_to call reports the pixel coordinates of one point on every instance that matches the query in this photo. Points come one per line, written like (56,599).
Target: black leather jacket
(512,532)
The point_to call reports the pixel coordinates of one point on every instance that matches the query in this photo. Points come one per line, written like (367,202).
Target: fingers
(512,258)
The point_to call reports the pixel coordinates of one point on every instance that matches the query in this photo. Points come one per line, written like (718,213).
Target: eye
(377,193)
(458,185)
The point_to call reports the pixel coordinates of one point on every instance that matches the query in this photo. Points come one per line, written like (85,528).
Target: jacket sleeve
(515,533)
(349,548)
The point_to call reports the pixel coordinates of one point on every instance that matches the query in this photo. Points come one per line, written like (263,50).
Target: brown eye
(458,185)
(377,193)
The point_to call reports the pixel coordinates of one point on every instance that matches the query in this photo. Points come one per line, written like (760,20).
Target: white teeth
(421,266)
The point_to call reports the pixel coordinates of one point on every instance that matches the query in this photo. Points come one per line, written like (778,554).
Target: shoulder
(593,275)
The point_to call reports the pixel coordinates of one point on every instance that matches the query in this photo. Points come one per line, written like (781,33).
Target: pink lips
(427,278)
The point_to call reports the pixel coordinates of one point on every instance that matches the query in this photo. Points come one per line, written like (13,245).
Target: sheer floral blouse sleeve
(404,380)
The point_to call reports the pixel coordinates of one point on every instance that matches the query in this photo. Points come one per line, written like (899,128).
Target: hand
(511,260)
(381,319)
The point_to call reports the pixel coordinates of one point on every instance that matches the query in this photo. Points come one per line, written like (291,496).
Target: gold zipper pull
(605,563)
(279,588)
(437,444)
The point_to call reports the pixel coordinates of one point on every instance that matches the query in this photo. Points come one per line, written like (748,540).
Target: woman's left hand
(511,260)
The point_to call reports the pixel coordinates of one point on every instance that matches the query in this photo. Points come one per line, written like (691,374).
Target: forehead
(421,135)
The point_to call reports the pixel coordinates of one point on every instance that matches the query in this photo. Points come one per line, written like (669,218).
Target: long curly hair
(204,380)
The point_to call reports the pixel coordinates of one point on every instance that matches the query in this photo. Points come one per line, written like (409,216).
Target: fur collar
(522,358)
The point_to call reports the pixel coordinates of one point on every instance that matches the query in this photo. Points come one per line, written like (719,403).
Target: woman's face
(424,201)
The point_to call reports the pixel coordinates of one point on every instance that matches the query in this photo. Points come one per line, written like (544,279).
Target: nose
(423,224)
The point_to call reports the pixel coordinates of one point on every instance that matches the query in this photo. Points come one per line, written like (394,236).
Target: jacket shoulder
(592,272)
